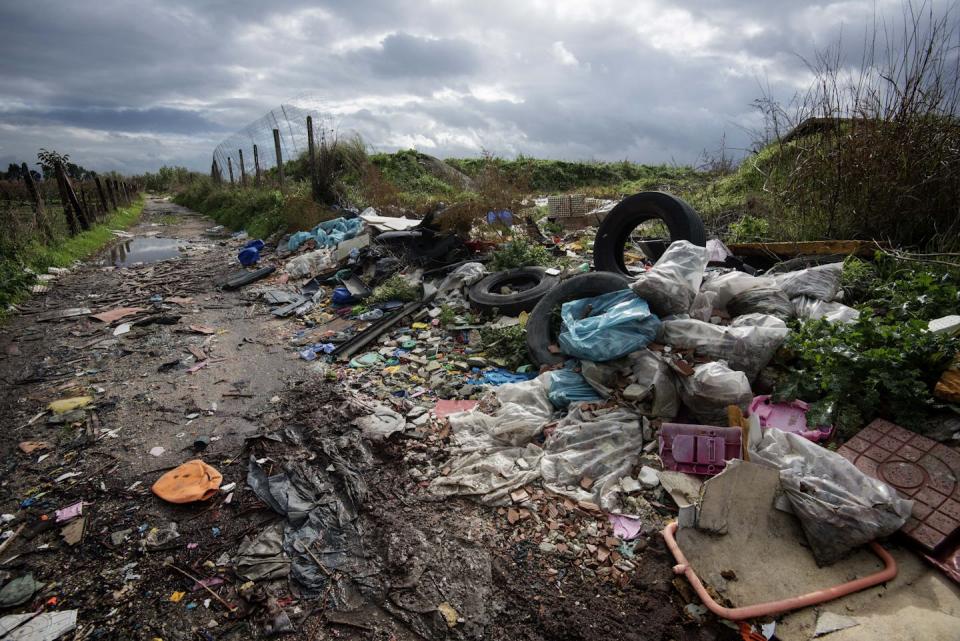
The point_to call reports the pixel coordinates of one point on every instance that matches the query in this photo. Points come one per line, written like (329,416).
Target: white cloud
(563,55)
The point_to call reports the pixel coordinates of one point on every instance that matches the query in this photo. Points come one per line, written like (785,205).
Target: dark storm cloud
(136,84)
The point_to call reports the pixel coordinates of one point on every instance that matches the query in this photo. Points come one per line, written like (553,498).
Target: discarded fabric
(192,481)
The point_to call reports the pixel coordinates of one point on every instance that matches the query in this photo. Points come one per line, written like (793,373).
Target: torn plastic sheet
(730,285)
(599,444)
(381,424)
(814,309)
(262,558)
(466,274)
(321,522)
(671,285)
(839,507)
(745,348)
(498,456)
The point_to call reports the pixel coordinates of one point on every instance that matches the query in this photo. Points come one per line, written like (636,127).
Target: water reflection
(145,249)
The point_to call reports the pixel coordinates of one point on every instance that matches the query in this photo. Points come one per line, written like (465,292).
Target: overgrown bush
(508,344)
(519,252)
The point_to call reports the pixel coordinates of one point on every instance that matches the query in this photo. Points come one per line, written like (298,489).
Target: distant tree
(13,172)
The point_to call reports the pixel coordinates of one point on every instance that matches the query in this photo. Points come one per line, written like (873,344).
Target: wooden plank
(864,248)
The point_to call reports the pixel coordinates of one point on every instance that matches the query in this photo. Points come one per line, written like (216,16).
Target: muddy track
(149,394)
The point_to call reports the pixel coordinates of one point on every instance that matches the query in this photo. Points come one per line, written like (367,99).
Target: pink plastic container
(787,417)
(698,449)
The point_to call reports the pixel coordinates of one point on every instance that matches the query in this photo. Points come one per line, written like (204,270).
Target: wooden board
(863,248)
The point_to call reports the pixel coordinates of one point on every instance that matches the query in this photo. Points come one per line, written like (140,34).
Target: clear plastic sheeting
(567,387)
(606,327)
(839,507)
(381,424)
(671,285)
(597,444)
(713,387)
(814,309)
(657,382)
(744,348)
(329,233)
(466,274)
(821,282)
(703,306)
(758,320)
(521,412)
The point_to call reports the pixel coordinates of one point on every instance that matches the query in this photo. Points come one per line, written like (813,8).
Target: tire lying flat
(530,284)
(540,334)
(680,219)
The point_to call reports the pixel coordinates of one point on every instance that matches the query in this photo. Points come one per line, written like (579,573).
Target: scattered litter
(192,481)
(69,404)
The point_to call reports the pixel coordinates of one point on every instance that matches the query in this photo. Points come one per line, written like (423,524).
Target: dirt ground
(255,397)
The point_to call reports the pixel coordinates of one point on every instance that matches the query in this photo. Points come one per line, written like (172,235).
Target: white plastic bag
(821,282)
(745,348)
(673,282)
(839,506)
(655,376)
(732,284)
(703,305)
(466,274)
(711,388)
(813,309)
(309,264)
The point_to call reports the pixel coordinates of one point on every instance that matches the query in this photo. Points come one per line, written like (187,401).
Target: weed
(508,344)
(748,229)
(394,288)
(519,252)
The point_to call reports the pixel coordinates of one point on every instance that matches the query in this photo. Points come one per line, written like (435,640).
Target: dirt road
(212,375)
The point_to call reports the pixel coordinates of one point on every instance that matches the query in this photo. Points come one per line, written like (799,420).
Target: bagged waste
(821,282)
(733,284)
(839,507)
(329,233)
(606,327)
(464,275)
(566,386)
(309,264)
(603,377)
(713,387)
(758,320)
(672,284)
(744,348)
(813,309)
(703,306)
(653,382)
(761,300)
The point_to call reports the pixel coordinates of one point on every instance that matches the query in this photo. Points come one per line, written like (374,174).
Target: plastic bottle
(373,314)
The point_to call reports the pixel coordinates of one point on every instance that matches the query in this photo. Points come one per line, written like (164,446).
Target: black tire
(530,284)
(540,330)
(681,220)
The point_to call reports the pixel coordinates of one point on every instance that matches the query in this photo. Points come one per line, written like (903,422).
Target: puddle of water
(145,249)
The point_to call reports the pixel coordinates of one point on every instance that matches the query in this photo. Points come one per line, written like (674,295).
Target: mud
(256,397)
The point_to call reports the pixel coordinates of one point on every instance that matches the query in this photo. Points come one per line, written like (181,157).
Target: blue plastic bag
(569,387)
(617,323)
(248,256)
(329,233)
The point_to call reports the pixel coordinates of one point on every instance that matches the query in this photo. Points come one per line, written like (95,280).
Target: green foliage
(167,178)
(856,371)
(15,260)
(520,252)
(749,229)
(394,288)
(901,291)
(448,315)
(506,343)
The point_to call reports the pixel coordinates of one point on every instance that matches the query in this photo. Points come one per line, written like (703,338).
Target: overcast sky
(135,85)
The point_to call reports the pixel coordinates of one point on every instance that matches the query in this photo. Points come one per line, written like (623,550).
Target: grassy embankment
(19,262)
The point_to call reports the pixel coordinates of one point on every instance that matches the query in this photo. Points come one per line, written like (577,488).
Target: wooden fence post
(230,168)
(256,164)
(243,169)
(312,155)
(84,204)
(72,197)
(276,146)
(72,223)
(113,196)
(102,194)
(213,171)
(40,213)
(126,194)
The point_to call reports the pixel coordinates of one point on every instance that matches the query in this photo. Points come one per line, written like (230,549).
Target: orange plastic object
(784,605)
(192,481)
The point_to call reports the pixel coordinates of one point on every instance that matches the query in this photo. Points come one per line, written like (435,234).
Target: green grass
(15,281)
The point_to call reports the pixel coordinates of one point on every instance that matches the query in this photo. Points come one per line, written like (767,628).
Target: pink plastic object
(787,417)
(698,449)
(888,573)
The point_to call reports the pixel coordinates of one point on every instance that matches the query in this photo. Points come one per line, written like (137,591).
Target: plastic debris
(65,405)
(606,327)
(193,481)
(672,284)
